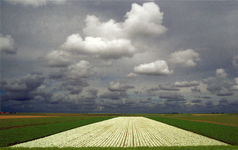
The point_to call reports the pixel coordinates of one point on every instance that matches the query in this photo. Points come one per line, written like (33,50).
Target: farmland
(123,132)
(19,131)
(225,119)
(14,131)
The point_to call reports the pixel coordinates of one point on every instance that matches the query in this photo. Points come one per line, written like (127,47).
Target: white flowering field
(123,132)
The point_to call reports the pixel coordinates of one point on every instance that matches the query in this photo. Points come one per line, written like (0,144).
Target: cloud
(157,68)
(219,85)
(132,75)
(171,96)
(92,93)
(144,20)
(7,44)
(197,101)
(220,73)
(74,86)
(73,77)
(168,87)
(58,58)
(196,90)
(235,87)
(35,3)
(100,47)
(109,29)
(224,93)
(113,40)
(184,58)
(141,20)
(186,84)
(111,95)
(81,69)
(204,97)
(117,87)
(151,91)
(22,89)
(27,83)
(57,98)
(235,61)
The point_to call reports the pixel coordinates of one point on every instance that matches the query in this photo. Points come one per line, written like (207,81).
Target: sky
(121,56)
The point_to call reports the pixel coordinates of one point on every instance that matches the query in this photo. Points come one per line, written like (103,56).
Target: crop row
(123,132)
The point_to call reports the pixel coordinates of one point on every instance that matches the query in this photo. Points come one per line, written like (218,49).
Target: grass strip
(132,148)
(19,135)
(227,134)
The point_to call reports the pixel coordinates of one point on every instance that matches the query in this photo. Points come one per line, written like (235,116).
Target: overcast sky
(119,56)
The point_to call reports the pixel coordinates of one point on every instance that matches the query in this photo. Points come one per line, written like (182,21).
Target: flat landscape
(123,132)
(85,131)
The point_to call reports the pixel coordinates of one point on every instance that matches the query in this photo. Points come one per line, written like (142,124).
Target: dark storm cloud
(74,86)
(56,75)
(23,89)
(92,94)
(27,83)
(219,85)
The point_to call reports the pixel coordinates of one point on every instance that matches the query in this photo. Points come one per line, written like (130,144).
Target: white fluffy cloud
(109,29)
(221,73)
(141,20)
(184,58)
(186,84)
(157,68)
(103,48)
(58,58)
(7,44)
(132,75)
(113,40)
(35,3)
(144,20)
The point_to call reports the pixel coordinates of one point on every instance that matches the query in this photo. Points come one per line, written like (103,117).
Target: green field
(24,133)
(227,119)
(227,134)
(19,130)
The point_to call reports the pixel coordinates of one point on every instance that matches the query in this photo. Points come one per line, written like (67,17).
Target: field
(123,132)
(224,119)
(12,131)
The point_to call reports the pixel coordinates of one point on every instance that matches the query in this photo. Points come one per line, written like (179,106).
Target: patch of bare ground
(20,116)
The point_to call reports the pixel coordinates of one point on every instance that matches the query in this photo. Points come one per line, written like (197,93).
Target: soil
(19,116)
